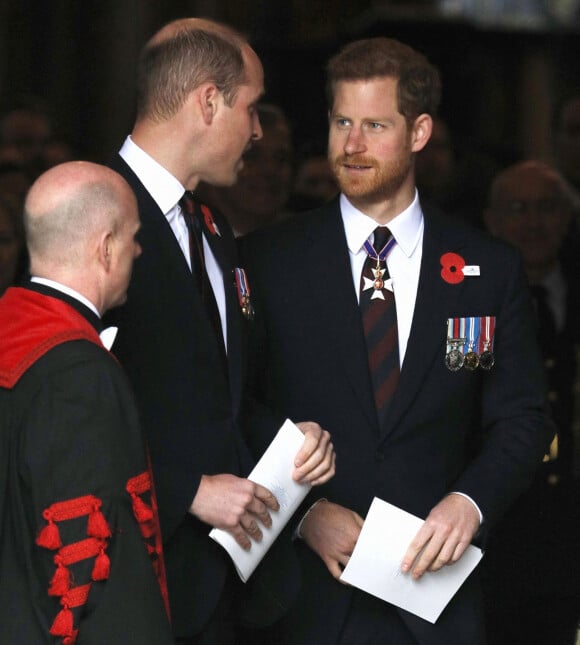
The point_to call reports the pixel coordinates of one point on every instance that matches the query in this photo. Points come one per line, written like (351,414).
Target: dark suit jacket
(481,433)
(189,405)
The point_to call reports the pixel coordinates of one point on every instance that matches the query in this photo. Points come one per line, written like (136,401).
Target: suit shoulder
(458,234)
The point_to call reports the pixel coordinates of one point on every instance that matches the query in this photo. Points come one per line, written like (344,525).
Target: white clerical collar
(108,335)
(406,227)
(165,189)
(68,291)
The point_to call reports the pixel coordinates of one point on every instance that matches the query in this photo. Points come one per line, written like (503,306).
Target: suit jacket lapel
(427,339)
(158,234)
(223,247)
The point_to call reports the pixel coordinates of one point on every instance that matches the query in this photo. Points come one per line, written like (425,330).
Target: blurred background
(505,63)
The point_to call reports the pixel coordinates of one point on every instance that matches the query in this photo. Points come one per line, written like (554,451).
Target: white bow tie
(108,336)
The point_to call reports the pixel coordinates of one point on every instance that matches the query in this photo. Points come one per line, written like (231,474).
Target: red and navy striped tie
(379,316)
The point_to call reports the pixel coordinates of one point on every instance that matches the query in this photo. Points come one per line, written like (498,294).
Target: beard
(382,182)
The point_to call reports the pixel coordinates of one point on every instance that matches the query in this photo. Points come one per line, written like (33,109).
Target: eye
(374,125)
(341,123)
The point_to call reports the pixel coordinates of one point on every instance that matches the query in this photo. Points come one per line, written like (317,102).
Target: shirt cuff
(298,531)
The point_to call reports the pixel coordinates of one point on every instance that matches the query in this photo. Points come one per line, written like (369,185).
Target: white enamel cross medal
(378,284)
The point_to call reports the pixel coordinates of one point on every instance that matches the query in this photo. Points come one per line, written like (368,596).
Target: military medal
(486,357)
(378,283)
(243,289)
(471,357)
(454,359)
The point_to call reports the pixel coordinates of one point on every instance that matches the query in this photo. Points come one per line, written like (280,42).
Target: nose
(256,127)
(354,141)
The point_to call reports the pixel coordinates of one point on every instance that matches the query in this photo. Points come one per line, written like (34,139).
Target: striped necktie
(379,316)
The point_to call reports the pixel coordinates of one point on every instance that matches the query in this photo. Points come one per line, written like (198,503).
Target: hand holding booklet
(375,564)
(274,471)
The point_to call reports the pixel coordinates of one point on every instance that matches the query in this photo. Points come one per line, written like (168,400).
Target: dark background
(502,72)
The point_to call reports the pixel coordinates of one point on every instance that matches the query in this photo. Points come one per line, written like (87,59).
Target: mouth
(351,166)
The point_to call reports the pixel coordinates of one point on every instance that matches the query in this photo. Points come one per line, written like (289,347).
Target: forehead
(253,88)
(529,186)
(373,96)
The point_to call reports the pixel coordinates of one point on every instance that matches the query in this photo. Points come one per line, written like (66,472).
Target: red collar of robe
(31,324)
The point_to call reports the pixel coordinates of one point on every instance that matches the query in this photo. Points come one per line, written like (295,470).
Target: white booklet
(274,471)
(375,564)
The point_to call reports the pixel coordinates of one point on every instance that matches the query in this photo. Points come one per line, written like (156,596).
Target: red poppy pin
(208,219)
(452,268)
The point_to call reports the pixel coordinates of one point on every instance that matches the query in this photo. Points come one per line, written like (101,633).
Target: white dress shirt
(166,191)
(403,261)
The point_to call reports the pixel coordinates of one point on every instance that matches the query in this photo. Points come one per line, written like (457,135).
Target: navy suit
(480,433)
(189,405)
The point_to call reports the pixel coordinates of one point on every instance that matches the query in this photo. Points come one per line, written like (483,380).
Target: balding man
(181,333)
(78,527)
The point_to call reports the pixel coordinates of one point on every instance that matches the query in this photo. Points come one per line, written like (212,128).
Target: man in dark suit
(75,488)
(532,574)
(181,335)
(435,398)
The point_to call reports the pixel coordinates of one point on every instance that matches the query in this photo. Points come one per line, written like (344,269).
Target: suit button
(379,456)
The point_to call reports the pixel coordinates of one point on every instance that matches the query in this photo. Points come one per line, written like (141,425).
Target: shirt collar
(165,189)
(406,227)
(68,291)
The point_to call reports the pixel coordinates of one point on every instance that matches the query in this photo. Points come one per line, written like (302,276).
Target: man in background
(532,572)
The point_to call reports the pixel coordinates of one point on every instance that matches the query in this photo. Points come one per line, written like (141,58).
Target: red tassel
(70,640)
(97,525)
(102,566)
(142,512)
(49,537)
(60,582)
(63,623)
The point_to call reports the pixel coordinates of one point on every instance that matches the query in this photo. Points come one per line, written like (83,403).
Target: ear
(105,251)
(209,96)
(421,132)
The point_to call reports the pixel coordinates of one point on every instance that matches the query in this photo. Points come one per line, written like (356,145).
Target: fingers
(262,494)
(312,433)
(315,461)
(321,473)
(443,537)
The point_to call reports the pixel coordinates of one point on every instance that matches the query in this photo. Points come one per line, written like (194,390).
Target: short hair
(419,83)
(170,69)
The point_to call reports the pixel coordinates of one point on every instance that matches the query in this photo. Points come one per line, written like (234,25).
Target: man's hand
(331,531)
(315,461)
(444,536)
(235,505)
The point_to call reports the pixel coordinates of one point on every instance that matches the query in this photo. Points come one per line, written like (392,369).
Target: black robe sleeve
(74,565)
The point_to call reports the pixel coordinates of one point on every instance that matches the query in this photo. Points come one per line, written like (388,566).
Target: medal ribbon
(487,335)
(472,340)
(381,256)
(242,286)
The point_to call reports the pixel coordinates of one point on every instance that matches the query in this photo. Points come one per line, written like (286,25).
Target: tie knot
(187,203)
(382,235)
